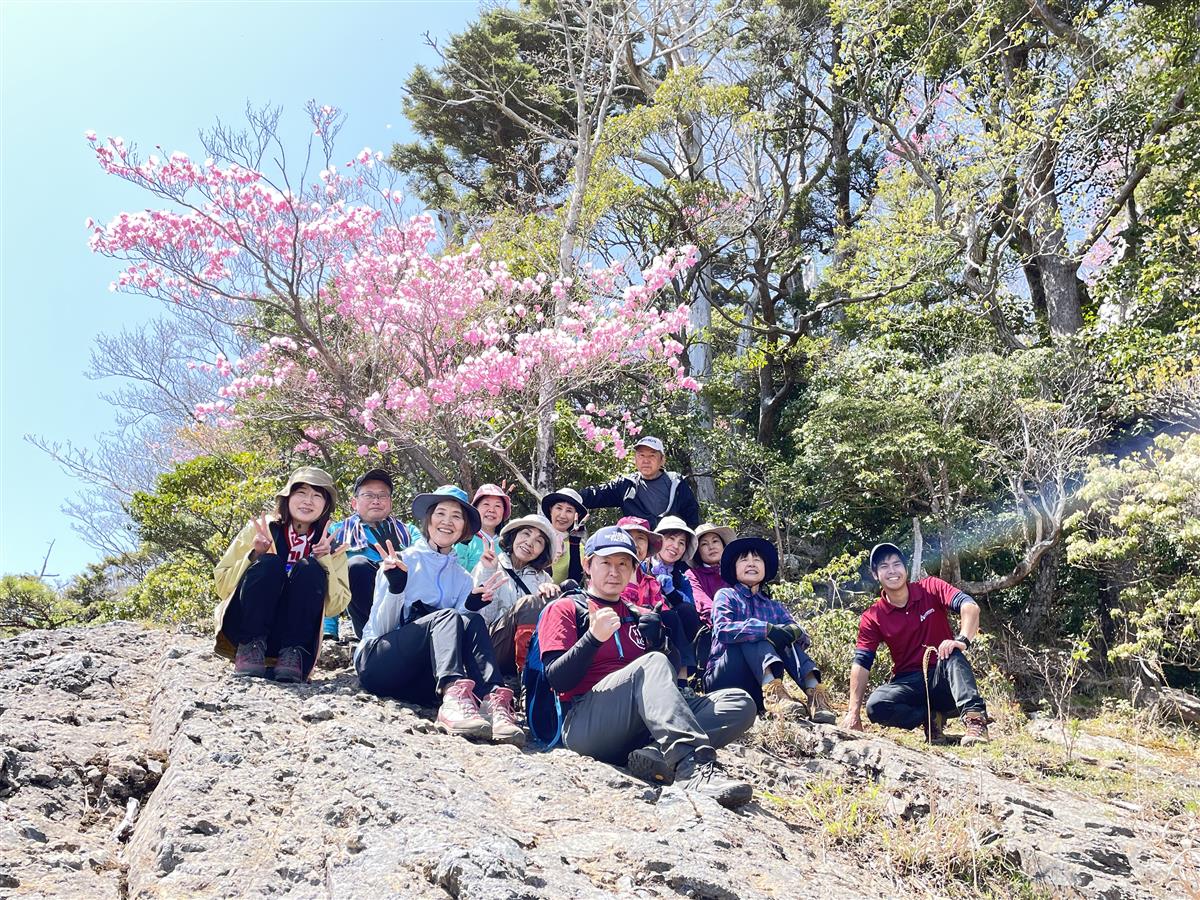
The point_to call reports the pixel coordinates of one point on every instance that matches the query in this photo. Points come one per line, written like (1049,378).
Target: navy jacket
(629,493)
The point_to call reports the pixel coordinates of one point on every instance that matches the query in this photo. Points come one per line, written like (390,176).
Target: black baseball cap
(374,475)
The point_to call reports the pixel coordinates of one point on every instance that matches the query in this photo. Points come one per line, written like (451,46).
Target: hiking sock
(810,681)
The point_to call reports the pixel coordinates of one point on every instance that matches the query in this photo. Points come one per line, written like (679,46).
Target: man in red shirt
(911,619)
(620,701)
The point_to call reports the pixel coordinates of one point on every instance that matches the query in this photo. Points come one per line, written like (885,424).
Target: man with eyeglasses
(372,523)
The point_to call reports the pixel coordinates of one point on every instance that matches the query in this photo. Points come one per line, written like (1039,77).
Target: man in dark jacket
(649,493)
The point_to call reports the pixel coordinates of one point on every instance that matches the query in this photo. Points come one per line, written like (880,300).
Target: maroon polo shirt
(909,629)
(558,631)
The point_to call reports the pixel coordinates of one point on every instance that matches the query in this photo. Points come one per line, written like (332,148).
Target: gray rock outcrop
(133,765)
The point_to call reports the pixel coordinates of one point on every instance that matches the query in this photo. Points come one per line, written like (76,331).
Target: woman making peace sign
(425,642)
(277,579)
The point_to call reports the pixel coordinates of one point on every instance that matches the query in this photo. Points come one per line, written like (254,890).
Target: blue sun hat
(423,503)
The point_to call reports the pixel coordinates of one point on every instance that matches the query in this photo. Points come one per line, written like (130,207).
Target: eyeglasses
(373,495)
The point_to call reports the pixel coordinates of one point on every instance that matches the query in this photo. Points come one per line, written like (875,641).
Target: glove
(800,637)
(780,637)
(651,627)
(397,579)
(666,582)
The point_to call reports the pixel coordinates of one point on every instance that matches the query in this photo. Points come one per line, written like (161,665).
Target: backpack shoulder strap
(674,479)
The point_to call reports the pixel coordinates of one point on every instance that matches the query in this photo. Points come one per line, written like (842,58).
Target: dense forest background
(940,285)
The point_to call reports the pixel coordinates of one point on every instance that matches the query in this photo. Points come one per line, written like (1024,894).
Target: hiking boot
(697,773)
(497,708)
(976,725)
(819,709)
(935,731)
(648,764)
(251,660)
(779,702)
(459,713)
(330,630)
(289,665)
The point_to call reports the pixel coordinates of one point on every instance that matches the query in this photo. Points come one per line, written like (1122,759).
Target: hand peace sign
(264,542)
(493,584)
(324,547)
(390,558)
(505,486)
(489,552)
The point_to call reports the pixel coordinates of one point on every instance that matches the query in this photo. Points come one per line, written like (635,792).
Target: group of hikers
(650,643)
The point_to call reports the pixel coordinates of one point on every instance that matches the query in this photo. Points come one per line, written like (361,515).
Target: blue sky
(153,73)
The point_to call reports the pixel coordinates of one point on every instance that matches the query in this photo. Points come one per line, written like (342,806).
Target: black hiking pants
(361,572)
(277,606)
(952,692)
(418,659)
(744,664)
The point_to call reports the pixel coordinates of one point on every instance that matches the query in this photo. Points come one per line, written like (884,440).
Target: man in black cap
(931,677)
(650,492)
(372,523)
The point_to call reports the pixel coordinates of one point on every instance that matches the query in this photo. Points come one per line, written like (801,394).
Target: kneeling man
(930,671)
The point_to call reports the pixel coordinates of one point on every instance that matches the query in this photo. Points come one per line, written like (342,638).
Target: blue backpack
(543,710)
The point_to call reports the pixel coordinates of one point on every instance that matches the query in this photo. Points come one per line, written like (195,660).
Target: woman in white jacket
(425,641)
(523,557)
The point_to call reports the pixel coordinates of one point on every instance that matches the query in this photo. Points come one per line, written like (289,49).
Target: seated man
(649,493)
(372,523)
(621,704)
(910,618)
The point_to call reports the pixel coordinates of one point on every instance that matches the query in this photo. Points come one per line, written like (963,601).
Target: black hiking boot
(648,764)
(697,773)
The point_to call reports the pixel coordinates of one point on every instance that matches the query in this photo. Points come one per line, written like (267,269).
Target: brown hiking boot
(935,731)
(976,725)
(779,702)
(819,709)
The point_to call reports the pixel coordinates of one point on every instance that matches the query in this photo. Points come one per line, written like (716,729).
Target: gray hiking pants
(641,704)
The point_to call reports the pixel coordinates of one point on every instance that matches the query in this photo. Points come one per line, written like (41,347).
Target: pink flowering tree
(364,331)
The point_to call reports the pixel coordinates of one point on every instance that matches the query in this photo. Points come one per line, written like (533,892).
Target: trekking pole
(928,698)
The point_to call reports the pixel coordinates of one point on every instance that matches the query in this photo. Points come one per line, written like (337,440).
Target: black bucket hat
(761,546)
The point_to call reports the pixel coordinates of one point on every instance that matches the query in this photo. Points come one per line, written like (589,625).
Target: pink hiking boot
(459,713)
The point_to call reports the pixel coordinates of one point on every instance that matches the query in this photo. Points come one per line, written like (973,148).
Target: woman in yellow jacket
(277,580)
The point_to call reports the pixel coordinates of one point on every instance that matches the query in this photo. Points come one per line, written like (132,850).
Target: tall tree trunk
(1036,615)
(1059,273)
(544,463)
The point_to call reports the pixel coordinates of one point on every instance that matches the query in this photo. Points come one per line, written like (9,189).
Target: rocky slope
(133,765)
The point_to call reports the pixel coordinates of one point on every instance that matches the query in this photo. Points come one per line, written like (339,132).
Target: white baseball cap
(653,443)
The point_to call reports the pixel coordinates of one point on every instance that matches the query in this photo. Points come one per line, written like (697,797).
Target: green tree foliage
(199,506)
(1140,525)
(28,602)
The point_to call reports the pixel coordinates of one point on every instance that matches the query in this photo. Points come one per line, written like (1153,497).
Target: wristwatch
(964,640)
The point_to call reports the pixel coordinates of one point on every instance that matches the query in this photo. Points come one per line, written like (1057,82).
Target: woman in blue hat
(756,640)
(425,641)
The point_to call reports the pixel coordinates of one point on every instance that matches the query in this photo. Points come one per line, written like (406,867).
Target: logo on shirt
(925,615)
(635,635)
